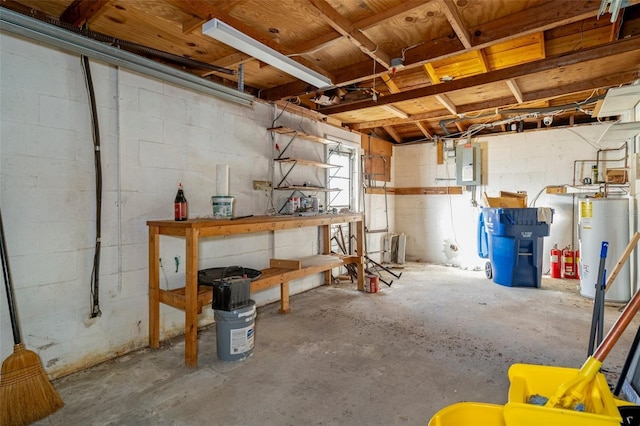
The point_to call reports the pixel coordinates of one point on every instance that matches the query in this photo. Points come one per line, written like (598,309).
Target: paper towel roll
(222,180)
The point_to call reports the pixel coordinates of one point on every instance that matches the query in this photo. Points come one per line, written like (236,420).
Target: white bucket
(222,206)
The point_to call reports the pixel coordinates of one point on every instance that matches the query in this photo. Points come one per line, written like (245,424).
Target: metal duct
(34,29)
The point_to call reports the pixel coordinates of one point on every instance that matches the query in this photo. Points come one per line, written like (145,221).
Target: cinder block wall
(153,136)
(512,162)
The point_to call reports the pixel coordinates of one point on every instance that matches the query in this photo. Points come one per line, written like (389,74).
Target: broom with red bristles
(26,394)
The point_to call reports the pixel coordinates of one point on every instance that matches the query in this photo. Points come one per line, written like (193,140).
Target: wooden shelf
(302,135)
(306,188)
(598,188)
(280,273)
(305,162)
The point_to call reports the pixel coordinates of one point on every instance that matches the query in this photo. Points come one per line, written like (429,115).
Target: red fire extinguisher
(555,261)
(568,263)
(578,265)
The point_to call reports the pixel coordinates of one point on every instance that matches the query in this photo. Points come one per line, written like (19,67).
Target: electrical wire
(95,275)
(532,203)
(453,228)
(410,47)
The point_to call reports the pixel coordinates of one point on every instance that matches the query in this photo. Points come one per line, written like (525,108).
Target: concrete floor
(437,336)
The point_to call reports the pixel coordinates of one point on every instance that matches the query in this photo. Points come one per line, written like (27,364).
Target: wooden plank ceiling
(402,70)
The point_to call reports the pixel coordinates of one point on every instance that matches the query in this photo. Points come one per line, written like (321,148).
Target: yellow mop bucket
(469,413)
(528,381)
(565,390)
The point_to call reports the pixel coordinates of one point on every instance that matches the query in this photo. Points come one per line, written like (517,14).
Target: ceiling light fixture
(228,35)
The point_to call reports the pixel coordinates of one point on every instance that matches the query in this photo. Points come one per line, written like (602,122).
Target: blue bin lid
(518,222)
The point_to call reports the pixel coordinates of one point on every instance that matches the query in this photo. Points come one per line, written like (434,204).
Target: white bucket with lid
(222,206)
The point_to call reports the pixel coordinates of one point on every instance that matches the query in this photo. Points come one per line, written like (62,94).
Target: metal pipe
(626,154)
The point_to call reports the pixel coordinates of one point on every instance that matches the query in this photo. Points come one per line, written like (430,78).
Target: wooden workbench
(191,300)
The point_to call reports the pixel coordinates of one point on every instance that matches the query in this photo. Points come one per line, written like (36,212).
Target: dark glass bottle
(180,207)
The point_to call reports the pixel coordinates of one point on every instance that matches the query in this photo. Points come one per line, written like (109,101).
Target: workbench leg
(284,298)
(191,300)
(154,287)
(326,249)
(360,236)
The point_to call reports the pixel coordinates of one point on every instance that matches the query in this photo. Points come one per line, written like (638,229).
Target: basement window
(344,179)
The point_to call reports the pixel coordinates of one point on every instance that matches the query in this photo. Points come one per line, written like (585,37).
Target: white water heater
(604,219)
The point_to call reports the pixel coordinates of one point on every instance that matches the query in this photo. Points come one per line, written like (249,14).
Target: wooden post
(154,287)
(360,236)
(440,151)
(326,248)
(284,298)
(191,299)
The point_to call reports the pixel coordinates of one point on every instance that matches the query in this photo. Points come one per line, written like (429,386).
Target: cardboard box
(506,200)
(521,195)
(616,176)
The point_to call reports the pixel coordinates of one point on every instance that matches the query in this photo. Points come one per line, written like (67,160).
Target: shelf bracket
(286,174)
(295,133)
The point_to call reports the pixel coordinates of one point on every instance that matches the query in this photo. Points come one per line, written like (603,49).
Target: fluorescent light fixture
(236,39)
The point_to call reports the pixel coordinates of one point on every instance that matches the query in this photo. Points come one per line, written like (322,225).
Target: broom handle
(618,328)
(8,285)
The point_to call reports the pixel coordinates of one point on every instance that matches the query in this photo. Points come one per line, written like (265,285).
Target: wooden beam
(396,121)
(430,190)
(80,11)
(535,19)
(395,111)
(513,86)
(438,48)
(396,137)
(427,134)
(446,102)
(393,87)
(363,24)
(608,81)
(440,151)
(451,12)
(192,24)
(545,16)
(482,58)
(380,191)
(598,52)
(350,32)
(431,72)
(390,13)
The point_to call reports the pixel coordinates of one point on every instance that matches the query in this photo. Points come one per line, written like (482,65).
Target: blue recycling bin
(512,239)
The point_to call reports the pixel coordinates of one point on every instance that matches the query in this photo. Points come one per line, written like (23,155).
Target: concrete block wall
(443,228)
(154,135)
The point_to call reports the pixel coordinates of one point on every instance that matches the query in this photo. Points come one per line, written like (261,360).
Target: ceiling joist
(350,32)
(585,55)
(80,11)
(451,12)
(513,86)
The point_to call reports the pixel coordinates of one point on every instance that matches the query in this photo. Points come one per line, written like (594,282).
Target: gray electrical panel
(468,161)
